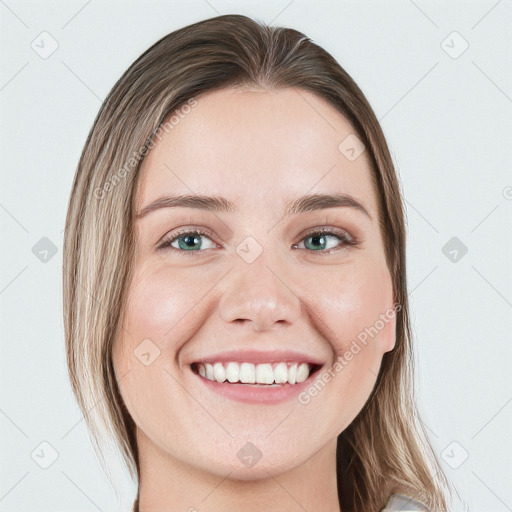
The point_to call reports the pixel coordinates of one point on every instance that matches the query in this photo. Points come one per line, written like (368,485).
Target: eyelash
(344,238)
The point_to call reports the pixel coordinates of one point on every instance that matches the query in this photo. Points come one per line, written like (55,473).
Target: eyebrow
(302,204)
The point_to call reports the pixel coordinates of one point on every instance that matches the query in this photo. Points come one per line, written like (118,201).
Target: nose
(259,294)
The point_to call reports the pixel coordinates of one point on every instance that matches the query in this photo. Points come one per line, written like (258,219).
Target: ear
(388,333)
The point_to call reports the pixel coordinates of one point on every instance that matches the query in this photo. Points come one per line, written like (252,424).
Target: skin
(259,149)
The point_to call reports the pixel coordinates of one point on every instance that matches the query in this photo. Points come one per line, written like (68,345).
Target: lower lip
(257,394)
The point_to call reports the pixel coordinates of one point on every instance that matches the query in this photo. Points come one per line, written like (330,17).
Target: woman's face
(258,287)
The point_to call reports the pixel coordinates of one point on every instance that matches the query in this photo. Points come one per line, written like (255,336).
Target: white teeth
(248,373)
(292,374)
(302,372)
(219,372)
(232,372)
(281,373)
(209,371)
(264,374)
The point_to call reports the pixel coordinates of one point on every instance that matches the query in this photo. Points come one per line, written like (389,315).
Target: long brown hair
(386,448)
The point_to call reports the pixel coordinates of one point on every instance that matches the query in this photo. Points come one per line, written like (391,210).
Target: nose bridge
(259,293)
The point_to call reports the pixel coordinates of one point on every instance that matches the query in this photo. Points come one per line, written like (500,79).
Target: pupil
(192,239)
(316,239)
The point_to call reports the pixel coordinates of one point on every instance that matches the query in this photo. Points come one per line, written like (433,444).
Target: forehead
(257,148)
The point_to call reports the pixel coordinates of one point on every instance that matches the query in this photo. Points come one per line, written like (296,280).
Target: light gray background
(447,118)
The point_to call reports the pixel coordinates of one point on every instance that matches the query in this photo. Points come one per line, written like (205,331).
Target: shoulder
(404,503)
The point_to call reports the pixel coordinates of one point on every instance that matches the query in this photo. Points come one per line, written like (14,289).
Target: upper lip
(258,356)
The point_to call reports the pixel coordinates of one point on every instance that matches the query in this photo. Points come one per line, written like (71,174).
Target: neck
(167,483)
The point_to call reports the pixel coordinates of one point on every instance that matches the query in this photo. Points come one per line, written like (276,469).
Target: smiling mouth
(256,375)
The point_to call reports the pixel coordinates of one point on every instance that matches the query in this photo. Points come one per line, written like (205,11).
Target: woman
(235,290)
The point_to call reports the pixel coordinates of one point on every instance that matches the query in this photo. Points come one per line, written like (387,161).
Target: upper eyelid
(206,231)
(325,220)
(327,229)
(171,235)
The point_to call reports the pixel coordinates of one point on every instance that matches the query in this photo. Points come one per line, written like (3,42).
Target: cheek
(152,307)
(357,308)
(161,308)
(349,315)
(161,305)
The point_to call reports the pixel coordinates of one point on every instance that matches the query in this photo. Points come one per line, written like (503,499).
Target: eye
(319,240)
(187,241)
